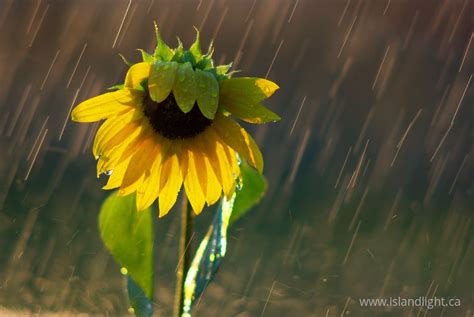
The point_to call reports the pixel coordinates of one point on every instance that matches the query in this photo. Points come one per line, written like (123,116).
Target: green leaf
(184,89)
(128,234)
(253,187)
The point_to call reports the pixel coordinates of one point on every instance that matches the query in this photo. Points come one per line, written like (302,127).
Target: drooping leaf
(253,187)
(128,235)
(141,305)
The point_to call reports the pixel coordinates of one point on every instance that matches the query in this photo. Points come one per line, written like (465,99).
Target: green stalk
(187,227)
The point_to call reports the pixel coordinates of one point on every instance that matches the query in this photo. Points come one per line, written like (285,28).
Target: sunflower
(170,124)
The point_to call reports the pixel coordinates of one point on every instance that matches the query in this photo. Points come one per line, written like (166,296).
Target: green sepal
(223,69)
(116,87)
(188,57)
(207,93)
(210,50)
(178,52)
(146,57)
(184,89)
(162,51)
(161,80)
(206,63)
(125,60)
(195,48)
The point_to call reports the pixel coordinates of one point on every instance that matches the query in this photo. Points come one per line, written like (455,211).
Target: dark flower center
(171,122)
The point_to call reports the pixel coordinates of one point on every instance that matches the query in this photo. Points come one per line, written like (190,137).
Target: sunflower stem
(187,227)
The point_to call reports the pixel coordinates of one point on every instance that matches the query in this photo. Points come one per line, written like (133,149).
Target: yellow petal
(218,159)
(237,138)
(139,166)
(149,190)
(245,91)
(109,158)
(232,158)
(192,182)
(170,181)
(116,178)
(111,127)
(213,187)
(161,80)
(129,131)
(124,152)
(136,74)
(106,105)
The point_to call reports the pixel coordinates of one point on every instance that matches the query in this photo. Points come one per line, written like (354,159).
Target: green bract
(189,74)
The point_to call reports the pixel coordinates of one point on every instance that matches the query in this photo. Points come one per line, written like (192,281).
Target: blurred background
(371,170)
